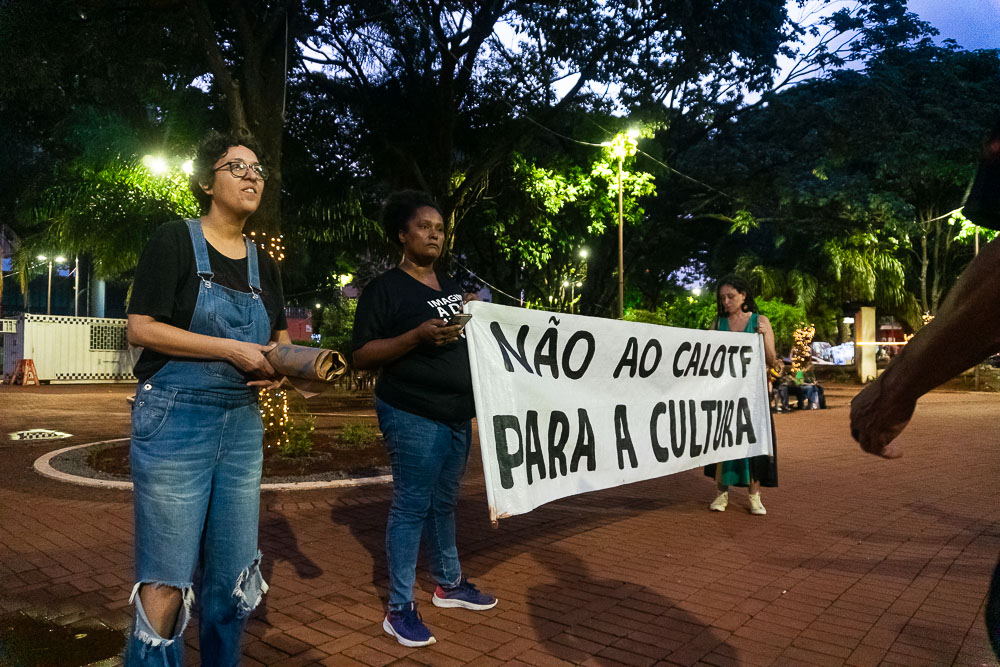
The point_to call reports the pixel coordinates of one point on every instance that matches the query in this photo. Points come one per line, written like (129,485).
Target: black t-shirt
(430,381)
(166,285)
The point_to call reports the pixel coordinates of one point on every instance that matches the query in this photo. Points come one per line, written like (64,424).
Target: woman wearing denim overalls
(205,306)
(423,398)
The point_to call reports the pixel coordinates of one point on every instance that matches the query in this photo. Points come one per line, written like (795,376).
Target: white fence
(69,349)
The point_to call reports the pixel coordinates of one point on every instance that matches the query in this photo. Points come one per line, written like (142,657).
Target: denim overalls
(196,464)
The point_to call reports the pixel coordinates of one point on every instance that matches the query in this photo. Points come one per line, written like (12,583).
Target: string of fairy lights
(926,319)
(274,245)
(801,353)
(274,412)
(273,404)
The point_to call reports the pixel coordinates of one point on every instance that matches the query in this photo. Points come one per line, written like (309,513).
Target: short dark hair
(399,208)
(211,147)
(740,284)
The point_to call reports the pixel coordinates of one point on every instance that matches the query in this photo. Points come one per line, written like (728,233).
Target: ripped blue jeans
(196,464)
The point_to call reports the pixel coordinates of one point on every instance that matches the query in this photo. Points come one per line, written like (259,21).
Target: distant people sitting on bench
(801,384)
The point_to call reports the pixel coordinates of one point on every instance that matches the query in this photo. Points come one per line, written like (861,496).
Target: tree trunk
(923,273)
(256,100)
(265,101)
(936,268)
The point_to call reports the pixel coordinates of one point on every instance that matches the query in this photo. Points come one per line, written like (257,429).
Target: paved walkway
(859,561)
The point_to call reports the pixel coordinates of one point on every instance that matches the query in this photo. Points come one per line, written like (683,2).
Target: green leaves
(743,222)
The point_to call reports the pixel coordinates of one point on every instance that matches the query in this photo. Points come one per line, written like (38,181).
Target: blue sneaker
(407,626)
(465,595)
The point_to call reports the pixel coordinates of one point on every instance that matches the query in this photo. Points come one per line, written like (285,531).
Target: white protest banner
(568,404)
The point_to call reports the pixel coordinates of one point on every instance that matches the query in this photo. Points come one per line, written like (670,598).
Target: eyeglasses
(238,168)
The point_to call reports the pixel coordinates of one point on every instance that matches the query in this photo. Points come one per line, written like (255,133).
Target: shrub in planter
(358,435)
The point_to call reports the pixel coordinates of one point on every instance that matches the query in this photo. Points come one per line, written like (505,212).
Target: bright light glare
(188,167)
(584,253)
(345,278)
(60,259)
(565,284)
(319,305)
(848,320)
(696,291)
(633,133)
(42,258)
(156,164)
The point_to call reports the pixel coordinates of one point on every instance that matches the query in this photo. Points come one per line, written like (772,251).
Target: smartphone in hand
(460,319)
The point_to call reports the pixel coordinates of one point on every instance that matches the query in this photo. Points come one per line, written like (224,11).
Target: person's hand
(877,420)
(268,384)
(470,296)
(249,358)
(437,332)
(763,326)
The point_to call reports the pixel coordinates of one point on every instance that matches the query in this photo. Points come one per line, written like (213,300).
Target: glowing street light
(156,164)
(48,299)
(584,252)
(696,291)
(622,146)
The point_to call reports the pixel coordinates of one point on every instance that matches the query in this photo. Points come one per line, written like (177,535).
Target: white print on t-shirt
(448,305)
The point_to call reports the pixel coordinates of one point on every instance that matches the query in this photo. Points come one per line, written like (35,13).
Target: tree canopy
(820,157)
(852,179)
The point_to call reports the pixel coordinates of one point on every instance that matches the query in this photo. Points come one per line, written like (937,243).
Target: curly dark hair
(740,284)
(398,209)
(212,147)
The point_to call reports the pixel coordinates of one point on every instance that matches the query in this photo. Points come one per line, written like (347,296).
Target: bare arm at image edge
(965,331)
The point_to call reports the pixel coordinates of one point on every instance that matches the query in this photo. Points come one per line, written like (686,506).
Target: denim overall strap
(253,275)
(223,313)
(202,265)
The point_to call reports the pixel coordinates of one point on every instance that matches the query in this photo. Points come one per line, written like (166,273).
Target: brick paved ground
(859,561)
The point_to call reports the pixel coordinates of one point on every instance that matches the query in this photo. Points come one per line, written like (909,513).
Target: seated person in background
(802,384)
(809,390)
(784,385)
(774,373)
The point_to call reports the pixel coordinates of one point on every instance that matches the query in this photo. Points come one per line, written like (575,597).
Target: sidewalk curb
(44,467)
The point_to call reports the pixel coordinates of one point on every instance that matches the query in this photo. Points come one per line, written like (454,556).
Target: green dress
(742,472)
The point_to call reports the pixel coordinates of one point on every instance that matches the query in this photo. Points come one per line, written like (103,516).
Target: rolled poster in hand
(310,370)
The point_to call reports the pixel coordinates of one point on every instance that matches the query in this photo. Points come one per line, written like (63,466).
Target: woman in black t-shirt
(205,307)
(423,398)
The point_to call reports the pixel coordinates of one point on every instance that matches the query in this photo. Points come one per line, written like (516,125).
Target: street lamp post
(48,297)
(76,287)
(622,145)
(621,243)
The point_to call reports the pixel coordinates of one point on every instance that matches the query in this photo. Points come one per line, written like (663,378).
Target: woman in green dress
(738,312)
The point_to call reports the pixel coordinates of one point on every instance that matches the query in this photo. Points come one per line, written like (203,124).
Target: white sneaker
(720,502)
(756,507)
